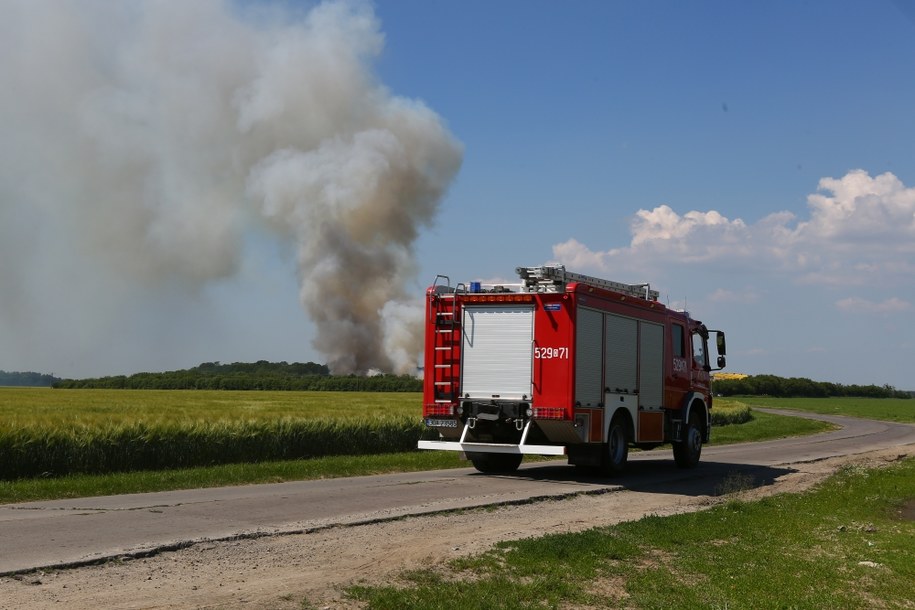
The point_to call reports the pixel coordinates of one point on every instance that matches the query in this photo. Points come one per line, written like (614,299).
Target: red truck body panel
(558,365)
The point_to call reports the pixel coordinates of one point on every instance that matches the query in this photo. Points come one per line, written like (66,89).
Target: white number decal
(549,353)
(679,365)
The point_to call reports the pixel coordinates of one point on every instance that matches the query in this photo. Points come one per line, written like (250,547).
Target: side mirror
(721,363)
(719,343)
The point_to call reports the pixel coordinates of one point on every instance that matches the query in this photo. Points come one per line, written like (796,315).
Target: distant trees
(263,375)
(27,379)
(800,387)
(260,375)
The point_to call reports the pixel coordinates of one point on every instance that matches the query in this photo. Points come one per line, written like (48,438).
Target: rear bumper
(493,448)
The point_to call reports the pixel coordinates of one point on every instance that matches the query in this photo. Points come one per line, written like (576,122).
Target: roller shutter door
(497,351)
(621,355)
(589,333)
(651,360)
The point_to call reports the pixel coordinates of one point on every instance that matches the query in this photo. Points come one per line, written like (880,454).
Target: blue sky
(575,118)
(753,161)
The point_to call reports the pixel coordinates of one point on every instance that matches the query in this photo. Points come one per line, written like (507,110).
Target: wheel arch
(626,416)
(695,402)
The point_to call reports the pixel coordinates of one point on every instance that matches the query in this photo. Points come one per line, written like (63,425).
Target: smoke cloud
(142,142)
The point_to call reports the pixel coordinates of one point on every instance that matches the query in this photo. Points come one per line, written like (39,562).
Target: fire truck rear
(564,364)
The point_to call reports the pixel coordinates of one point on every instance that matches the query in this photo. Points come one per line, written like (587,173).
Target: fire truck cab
(564,364)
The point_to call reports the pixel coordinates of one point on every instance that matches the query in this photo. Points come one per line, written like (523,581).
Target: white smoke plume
(143,140)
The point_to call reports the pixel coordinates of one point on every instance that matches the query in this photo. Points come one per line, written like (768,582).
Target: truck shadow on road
(663,477)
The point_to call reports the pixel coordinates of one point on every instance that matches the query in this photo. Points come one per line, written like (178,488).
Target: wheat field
(53,432)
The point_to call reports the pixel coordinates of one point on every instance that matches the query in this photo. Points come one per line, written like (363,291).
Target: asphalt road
(66,533)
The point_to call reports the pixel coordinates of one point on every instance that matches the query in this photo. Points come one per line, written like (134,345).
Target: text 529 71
(550,353)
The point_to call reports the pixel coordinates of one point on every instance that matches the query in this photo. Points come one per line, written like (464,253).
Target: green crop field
(48,432)
(44,406)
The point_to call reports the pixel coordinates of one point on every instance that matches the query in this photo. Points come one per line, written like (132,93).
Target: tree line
(29,378)
(261,375)
(264,375)
(800,387)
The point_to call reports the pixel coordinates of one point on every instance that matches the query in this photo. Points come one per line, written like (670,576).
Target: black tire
(688,450)
(616,451)
(494,463)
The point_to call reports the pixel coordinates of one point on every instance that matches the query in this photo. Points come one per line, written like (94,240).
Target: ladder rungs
(444,382)
(443,366)
(446,402)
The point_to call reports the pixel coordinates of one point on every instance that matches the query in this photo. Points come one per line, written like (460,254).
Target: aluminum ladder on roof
(553,278)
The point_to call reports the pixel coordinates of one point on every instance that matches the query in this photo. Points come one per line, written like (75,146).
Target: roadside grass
(846,544)
(765,427)
(886,409)
(85,485)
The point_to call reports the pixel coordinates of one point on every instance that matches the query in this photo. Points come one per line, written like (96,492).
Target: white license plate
(441,423)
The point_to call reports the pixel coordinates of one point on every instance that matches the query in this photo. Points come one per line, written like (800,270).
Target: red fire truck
(564,364)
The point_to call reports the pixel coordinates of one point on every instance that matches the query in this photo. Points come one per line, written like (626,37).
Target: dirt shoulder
(282,571)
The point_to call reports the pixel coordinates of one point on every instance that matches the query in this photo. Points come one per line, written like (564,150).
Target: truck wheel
(492,463)
(617,451)
(688,450)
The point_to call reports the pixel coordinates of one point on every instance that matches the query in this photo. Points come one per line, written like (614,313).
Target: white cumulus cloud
(860,229)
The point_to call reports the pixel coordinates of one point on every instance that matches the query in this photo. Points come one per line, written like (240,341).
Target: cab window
(699,350)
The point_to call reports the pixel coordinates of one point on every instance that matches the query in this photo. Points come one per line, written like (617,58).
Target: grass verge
(848,544)
(80,486)
(765,427)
